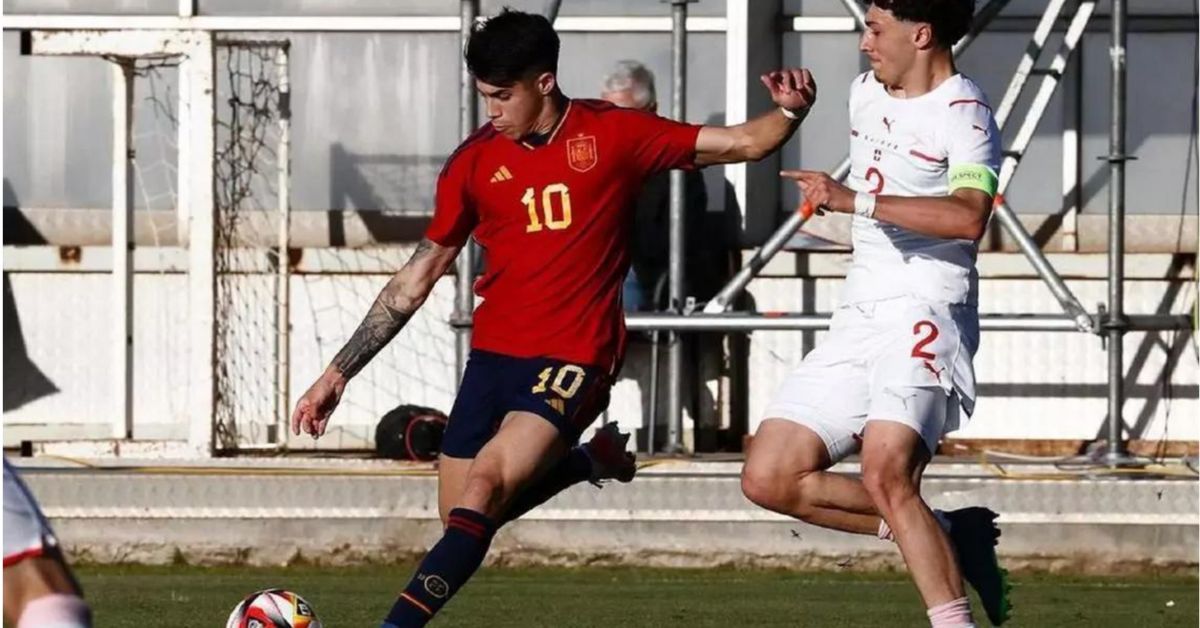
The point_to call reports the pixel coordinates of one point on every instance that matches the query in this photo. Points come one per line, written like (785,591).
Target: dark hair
(511,46)
(950,19)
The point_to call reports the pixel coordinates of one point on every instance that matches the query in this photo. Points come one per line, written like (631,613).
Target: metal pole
(283,317)
(122,246)
(1115,323)
(1072,144)
(464,296)
(1025,66)
(724,299)
(675,268)
(552,7)
(652,428)
(856,11)
(1058,287)
(983,17)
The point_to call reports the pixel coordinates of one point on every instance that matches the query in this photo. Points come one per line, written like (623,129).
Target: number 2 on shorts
(919,349)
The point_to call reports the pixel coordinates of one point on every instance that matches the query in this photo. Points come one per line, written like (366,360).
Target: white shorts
(26,531)
(902,360)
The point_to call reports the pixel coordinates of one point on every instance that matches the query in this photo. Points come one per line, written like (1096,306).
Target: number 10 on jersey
(555,194)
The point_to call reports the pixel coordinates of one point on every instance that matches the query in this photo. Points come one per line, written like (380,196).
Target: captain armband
(975,177)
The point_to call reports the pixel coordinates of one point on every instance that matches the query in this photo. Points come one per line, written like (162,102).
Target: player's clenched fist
(316,406)
(792,88)
(822,191)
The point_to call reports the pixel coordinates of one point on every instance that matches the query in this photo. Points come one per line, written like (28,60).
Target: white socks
(57,610)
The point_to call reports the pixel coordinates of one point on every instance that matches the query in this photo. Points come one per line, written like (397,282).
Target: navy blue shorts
(570,396)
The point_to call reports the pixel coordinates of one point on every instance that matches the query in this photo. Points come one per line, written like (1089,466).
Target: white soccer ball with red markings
(273,608)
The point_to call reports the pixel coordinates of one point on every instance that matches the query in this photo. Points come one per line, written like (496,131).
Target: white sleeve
(972,136)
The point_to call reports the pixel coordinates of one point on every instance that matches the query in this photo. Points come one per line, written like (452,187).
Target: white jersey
(907,147)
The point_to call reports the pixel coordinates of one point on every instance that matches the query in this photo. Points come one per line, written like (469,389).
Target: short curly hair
(950,19)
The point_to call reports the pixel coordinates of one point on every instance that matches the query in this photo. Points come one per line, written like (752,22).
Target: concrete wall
(675,514)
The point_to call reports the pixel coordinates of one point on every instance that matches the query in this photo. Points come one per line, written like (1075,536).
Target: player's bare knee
(764,486)
(484,492)
(888,486)
(756,484)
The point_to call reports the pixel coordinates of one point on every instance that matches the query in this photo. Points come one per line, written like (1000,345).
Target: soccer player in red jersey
(547,188)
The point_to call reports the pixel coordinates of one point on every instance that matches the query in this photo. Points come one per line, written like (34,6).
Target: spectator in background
(708,243)
(631,85)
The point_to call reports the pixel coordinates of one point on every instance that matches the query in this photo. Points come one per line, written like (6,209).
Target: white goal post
(213,192)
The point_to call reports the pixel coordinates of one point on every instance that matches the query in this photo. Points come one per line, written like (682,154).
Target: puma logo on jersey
(887,123)
(936,372)
(980,129)
(502,174)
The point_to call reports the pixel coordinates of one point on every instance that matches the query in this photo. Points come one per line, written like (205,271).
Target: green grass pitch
(344,597)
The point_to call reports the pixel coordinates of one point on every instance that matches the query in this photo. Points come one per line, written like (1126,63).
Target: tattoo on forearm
(381,324)
(423,248)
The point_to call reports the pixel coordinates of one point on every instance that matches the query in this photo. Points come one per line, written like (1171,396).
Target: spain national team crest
(581,153)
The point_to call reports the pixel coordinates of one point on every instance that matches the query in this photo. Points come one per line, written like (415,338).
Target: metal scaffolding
(1111,323)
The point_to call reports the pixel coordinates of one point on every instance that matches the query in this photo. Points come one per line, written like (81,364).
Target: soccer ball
(273,608)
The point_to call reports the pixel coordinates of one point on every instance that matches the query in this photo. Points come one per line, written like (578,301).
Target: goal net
(251,216)
(243,301)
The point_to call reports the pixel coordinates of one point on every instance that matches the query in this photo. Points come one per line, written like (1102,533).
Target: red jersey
(555,223)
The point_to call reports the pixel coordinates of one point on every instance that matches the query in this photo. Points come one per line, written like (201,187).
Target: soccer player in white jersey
(39,589)
(894,373)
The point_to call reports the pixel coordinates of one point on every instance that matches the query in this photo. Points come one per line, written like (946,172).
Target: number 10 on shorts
(560,385)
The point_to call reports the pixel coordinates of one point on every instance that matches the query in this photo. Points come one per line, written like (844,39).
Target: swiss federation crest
(581,153)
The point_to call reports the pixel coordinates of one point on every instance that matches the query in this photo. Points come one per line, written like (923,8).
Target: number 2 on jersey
(873,174)
(547,210)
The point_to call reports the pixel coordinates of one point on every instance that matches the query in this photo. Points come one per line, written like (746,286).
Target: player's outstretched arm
(794,90)
(395,305)
(962,214)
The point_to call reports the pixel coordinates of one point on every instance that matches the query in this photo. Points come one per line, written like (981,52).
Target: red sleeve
(658,143)
(454,213)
